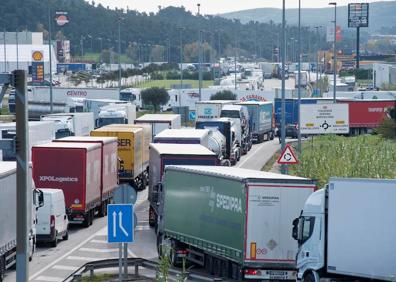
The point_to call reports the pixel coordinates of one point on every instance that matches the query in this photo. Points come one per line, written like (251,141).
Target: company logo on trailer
(253,97)
(77,93)
(193,95)
(221,201)
(58,179)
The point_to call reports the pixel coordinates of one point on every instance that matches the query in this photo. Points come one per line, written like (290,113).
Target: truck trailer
(108,179)
(116,114)
(183,136)
(160,122)
(347,232)
(233,222)
(8,220)
(162,155)
(130,153)
(207,110)
(261,123)
(75,168)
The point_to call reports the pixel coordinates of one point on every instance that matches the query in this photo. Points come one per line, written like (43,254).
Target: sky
(218,6)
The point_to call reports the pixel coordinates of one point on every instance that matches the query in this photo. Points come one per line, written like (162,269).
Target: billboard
(358,15)
(324,118)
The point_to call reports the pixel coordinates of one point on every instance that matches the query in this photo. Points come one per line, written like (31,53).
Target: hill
(381,15)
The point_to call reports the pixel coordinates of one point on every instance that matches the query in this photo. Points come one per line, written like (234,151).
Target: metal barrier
(136,263)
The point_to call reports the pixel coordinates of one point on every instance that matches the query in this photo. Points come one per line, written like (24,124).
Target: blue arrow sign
(120,223)
(192,115)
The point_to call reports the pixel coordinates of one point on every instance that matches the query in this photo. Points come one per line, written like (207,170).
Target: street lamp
(299,76)
(101,49)
(334,51)
(82,46)
(199,9)
(283,106)
(200,63)
(119,52)
(181,29)
(317,59)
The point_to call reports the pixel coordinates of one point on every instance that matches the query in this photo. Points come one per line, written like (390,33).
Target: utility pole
(283,107)
(181,63)
(299,75)
(200,63)
(335,53)
(317,61)
(17,50)
(50,61)
(357,48)
(5,51)
(119,53)
(235,63)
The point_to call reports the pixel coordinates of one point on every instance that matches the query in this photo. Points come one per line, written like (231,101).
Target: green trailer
(234,222)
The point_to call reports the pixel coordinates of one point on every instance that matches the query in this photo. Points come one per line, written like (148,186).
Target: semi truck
(94,105)
(108,171)
(347,232)
(116,114)
(130,153)
(207,110)
(162,155)
(240,115)
(8,186)
(231,221)
(261,125)
(160,122)
(226,127)
(71,124)
(40,132)
(76,169)
(183,136)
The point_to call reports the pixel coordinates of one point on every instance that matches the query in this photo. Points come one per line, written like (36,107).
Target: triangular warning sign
(288,156)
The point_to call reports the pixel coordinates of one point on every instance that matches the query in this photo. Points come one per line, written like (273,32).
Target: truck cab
(116,114)
(309,230)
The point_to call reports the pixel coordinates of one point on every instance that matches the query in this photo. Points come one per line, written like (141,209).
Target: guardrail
(136,263)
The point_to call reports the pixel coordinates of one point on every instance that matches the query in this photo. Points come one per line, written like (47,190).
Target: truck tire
(309,277)
(87,219)
(54,243)
(2,268)
(66,236)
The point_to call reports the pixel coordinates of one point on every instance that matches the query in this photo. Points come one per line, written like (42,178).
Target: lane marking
(98,241)
(49,278)
(93,250)
(65,267)
(82,258)
(142,228)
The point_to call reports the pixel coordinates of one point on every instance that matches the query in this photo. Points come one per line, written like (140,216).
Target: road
(89,244)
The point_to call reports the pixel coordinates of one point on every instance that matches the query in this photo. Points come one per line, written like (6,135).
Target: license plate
(281,275)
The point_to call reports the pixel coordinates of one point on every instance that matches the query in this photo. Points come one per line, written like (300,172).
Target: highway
(89,244)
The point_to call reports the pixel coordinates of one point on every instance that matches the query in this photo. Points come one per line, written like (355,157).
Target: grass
(96,58)
(167,83)
(367,156)
(99,278)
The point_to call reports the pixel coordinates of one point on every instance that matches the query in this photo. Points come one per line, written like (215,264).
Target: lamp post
(317,61)
(283,107)
(334,52)
(101,49)
(50,61)
(119,52)
(299,76)
(200,63)
(181,29)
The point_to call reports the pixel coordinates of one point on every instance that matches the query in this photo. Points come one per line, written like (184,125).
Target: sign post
(287,157)
(37,67)
(358,16)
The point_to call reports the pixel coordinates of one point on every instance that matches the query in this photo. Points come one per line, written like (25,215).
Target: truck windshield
(127,96)
(230,114)
(107,121)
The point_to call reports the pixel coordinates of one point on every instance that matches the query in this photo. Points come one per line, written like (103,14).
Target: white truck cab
(116,114)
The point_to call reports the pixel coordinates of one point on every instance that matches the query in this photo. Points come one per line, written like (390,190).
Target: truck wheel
(152,217)
(92,214)
(87,219)
(66,236)
(54,243)
(309,277)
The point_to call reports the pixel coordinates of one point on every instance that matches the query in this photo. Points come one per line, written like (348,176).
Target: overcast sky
(218,6)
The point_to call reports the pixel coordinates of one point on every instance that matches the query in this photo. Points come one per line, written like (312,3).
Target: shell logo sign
(37,56)
(62,19)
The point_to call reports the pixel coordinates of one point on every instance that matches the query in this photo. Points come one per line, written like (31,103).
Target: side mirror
(38,198)
(295,233)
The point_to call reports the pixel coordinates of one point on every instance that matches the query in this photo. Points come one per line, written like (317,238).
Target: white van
(52,222)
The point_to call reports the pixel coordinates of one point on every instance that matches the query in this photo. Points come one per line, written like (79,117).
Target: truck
(231,221)
(304,78)
(228,129)
(71,124)
(8,185)
(108,170)
(240,115)
(130,154)
(160,122)
(162,155)
(116,114)
(94,105)
(207,110)
(268,69)
(75,168)
(261,125)
(346,232)
(40,132)
(183,136)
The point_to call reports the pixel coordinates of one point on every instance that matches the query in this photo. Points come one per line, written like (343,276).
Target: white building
(384,74)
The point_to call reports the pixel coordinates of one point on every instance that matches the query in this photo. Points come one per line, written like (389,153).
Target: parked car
(52,221)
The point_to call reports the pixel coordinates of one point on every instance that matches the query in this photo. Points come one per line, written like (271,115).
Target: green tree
(224,95)
(155,97)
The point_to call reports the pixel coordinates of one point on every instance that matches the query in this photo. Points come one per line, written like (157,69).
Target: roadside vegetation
(367,156)
(167,83)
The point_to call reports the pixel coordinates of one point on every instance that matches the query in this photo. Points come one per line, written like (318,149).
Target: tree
(224,95)
(155,96)
(387,127)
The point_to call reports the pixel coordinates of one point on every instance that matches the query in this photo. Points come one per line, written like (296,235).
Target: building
(384,74)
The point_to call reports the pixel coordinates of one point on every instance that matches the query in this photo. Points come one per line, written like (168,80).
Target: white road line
(82,258)
(65,267)
(94,250)
(142,227)
(98,241)
(249,155)
(49,279)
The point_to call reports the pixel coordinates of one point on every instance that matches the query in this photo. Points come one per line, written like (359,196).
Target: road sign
(358,15)
(288,156)
(192,115)
(120,223)
(324,118)
(124,194)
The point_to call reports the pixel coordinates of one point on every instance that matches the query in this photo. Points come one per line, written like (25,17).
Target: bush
(224,95)
(155,97)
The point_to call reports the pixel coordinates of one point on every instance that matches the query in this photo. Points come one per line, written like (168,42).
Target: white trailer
(207,110)
(8,220)
(116,114)
(40,132)
(160,122)
(348,231)
(183,136)
(94,105)
(71,124)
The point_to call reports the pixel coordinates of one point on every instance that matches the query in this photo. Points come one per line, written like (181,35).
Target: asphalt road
(89,244)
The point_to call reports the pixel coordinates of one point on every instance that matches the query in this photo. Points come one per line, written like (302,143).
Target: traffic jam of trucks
(234,223)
